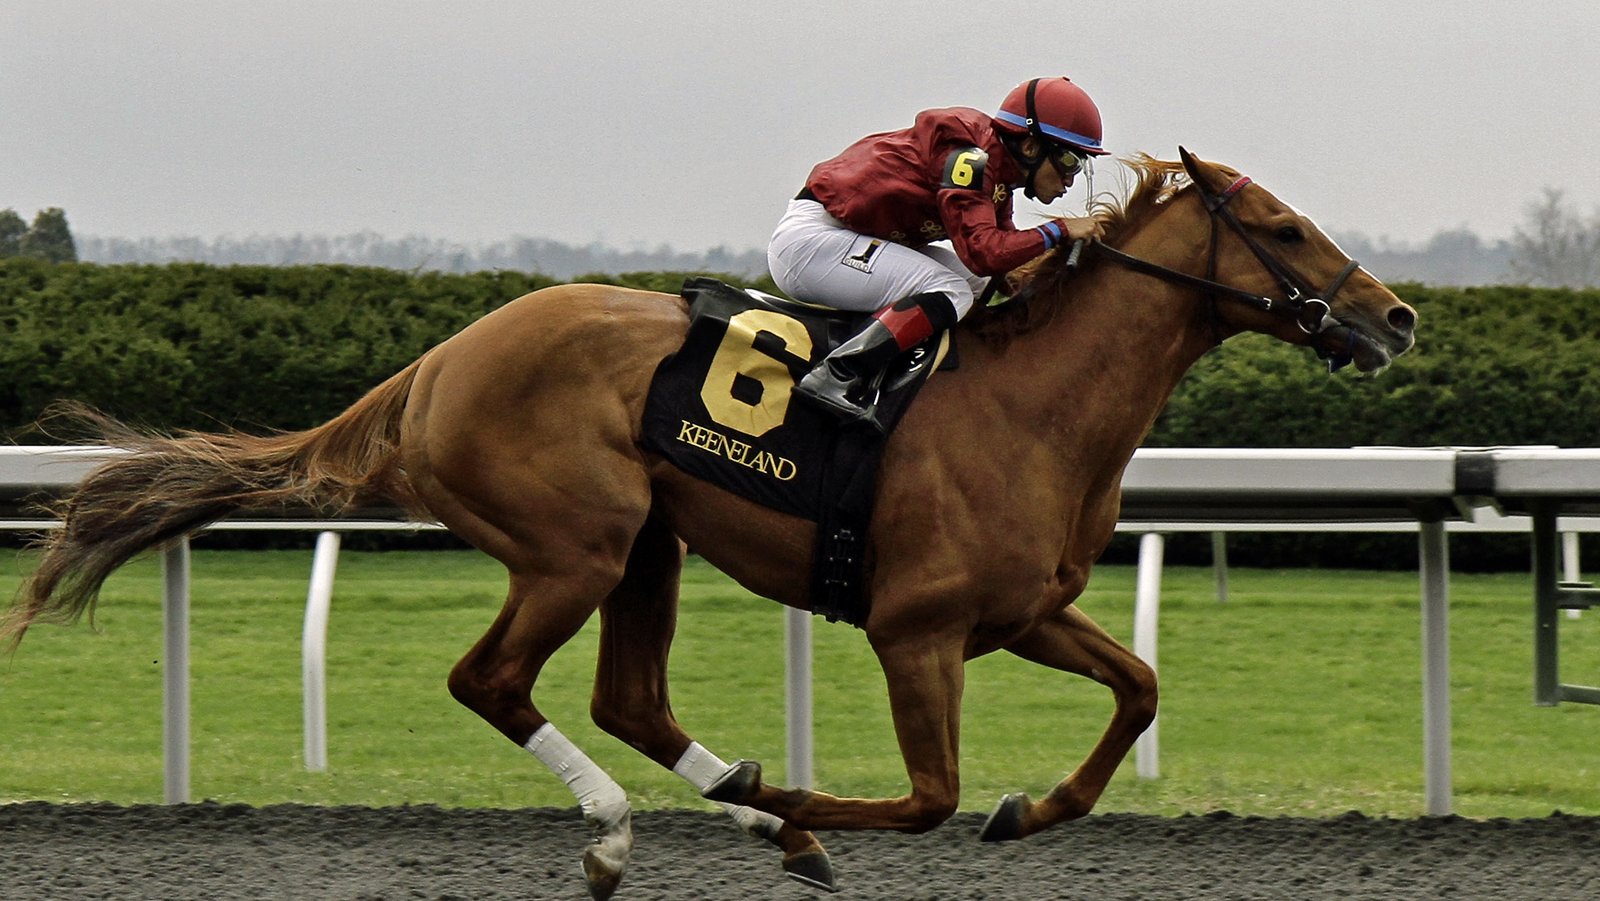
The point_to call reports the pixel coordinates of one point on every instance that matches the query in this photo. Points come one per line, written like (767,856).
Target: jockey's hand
(1083,228)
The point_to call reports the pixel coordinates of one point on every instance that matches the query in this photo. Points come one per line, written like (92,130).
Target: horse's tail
(167,487)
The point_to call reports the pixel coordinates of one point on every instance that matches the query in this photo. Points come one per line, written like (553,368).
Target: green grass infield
(1300,695)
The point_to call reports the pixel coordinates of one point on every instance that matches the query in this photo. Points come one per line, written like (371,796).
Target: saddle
(720,409)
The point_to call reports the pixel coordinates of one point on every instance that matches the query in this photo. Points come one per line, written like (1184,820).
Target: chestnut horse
(996,494)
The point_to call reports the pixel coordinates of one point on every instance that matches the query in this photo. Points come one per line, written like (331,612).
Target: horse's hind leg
(637,622)
(1071,641)
(495,680)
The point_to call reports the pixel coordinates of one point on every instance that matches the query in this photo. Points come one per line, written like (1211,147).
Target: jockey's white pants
(817,259)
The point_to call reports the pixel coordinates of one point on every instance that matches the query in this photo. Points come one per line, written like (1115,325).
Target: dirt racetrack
(215,851)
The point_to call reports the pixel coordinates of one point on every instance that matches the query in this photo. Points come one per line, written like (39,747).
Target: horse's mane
(1033,301)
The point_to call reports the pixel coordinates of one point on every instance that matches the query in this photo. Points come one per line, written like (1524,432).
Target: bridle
(1310,308)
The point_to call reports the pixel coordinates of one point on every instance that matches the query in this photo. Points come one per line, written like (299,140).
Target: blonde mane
(1154,183)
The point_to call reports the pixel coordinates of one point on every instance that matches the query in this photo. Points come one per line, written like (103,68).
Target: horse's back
(573,327)
(599,340)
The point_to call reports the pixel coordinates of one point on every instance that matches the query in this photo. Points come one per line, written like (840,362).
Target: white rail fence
(1430,491)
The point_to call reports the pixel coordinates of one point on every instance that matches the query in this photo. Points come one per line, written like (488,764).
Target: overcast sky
(690,123)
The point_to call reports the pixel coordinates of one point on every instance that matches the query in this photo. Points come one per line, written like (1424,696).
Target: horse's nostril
(1402,319)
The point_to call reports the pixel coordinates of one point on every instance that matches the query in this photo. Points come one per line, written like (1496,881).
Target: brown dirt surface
(217,851)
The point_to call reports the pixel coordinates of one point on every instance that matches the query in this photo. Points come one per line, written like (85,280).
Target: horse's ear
(1188,159)
(1198,171)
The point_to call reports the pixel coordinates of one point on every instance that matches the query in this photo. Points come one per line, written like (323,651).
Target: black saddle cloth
(721,409)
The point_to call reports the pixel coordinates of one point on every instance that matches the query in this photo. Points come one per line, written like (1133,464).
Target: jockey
(860,235)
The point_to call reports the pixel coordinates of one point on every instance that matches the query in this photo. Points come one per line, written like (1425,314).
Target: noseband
(1310,308)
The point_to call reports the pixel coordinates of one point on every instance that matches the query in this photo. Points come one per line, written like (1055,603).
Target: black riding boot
(893,330)
(844,371)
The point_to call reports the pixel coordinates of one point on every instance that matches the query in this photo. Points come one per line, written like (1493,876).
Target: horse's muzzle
(1374,345)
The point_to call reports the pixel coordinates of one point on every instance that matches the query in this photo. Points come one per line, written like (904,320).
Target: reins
(1310,308)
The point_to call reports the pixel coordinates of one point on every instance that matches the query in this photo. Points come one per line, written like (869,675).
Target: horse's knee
(1143,695)
(1146,690)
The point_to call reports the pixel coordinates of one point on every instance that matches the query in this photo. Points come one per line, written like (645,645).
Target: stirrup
(840,406)
(823,391)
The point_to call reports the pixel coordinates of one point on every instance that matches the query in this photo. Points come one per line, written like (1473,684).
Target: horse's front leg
(924,674)
(1071,641)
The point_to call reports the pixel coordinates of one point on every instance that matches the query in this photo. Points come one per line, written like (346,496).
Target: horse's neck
(1100,371)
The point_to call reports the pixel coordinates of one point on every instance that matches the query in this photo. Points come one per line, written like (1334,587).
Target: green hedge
(255,347)
(194,346)
(1500,365)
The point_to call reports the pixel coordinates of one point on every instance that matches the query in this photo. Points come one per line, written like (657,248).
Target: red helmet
(1054,109)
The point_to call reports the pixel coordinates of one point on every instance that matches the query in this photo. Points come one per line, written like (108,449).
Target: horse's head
(1306,290)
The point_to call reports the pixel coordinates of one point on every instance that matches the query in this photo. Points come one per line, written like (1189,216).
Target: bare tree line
(1450,258)
(1553,246)
(1556,246)
(417,253)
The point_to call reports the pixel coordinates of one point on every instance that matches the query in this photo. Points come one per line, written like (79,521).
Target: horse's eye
(1289,234)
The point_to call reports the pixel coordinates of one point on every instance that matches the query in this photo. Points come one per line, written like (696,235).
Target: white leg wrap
(700,768)
(603,800)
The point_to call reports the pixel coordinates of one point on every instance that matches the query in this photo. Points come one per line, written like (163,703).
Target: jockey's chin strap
(1037,160)
(1311,309)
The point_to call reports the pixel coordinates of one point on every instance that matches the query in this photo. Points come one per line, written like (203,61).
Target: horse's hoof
(606,858)
(601,885)
(1005,824)
(738,783)
(811,869)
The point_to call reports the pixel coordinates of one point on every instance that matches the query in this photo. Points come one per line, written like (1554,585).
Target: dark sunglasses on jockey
(1066,160)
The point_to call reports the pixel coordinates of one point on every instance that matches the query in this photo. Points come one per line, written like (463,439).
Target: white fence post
(1146,613)
(1219,564)
(797,696)
(1435,554)
(175,671)
(314,651)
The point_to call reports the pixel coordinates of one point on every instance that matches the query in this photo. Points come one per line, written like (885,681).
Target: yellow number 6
(961,171)
(737,356)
